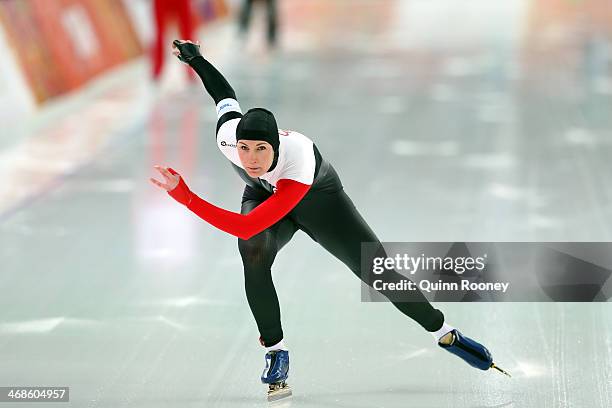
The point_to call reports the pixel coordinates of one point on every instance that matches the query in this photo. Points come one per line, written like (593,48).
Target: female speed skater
(289,186)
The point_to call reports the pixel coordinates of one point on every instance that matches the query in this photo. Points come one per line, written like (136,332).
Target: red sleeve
(288,194)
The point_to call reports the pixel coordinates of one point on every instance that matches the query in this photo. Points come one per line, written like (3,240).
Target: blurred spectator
(165,12)
(245,18)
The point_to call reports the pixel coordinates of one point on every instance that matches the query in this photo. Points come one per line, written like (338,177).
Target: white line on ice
(182,302)
(41,325)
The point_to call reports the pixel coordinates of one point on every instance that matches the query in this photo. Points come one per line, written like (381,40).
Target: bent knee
(258,252)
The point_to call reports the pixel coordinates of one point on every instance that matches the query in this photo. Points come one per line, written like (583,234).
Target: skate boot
(470,351)
(275,374)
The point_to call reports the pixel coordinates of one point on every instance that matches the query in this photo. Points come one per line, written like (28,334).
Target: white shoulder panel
(226,141)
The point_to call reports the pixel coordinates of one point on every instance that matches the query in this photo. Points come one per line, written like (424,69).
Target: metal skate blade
(500,370)
(279,393)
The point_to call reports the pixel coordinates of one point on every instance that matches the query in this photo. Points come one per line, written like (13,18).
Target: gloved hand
(185,50)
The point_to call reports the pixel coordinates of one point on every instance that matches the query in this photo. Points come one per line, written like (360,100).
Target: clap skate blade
(500,370)
(278,391)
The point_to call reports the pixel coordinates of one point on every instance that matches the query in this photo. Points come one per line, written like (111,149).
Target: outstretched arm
(214,82)
(288,194)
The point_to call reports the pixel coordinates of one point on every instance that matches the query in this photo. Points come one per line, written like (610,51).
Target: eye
(243,147)
(261,148)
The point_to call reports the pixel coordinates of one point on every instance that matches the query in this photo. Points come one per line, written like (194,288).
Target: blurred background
(447,121)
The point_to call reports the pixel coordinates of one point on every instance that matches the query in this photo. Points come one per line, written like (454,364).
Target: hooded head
(259,124)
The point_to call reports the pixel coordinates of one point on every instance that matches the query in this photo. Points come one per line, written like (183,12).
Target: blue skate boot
(470,351)
(275,374)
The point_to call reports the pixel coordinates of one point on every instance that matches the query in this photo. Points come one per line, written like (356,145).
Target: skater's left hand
(172,178)
(186,50)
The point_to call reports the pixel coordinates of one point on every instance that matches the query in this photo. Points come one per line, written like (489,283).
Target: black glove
(186,50)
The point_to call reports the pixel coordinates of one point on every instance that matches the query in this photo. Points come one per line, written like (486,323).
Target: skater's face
(256,156)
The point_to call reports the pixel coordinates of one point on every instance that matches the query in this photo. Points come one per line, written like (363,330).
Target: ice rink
(446,121)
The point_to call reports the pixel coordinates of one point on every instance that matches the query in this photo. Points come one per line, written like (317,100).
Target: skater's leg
(272,21)
(245,15)
(258,254)
(157,52)
(186,27)
(185,19)
(332,220)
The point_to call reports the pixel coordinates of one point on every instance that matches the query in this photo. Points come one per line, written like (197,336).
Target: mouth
(253,169)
